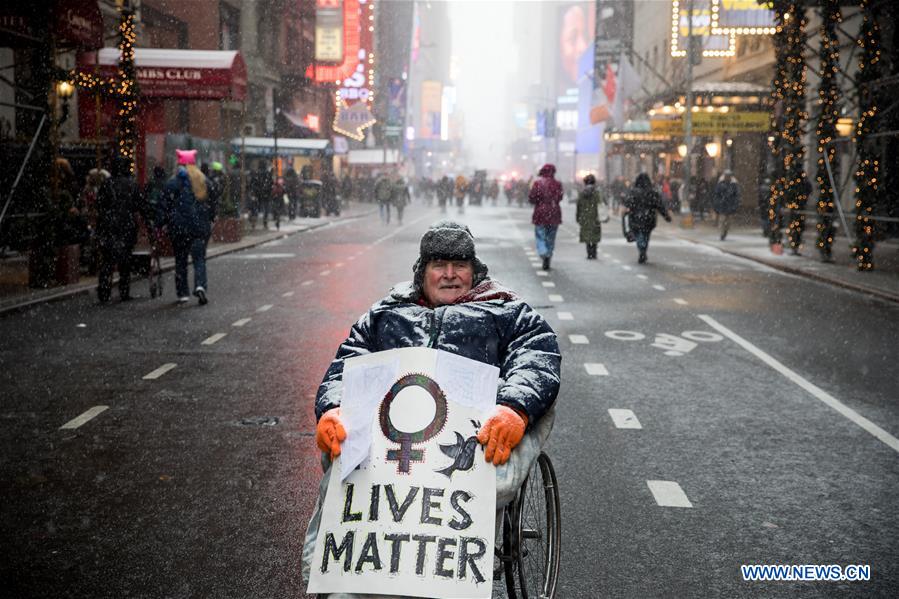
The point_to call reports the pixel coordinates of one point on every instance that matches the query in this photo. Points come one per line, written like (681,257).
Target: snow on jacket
(643,203)
(489,324)
(726,197)
(188,218)
(546,195)
(588,214)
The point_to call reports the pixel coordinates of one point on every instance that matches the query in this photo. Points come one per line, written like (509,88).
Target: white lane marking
(264,308)
(213,338)
(81,325)
(241,322)
(324,273)
(338,265)
(819,393)
(79,420)
(542,273)
(644,277)
(554,297)
(305,283)
(616,261)
(578,339)
(565,316)
(702,336)
(397,230)
(658,287)
(262,256)
(353,257)
(680,301)
(668,493)
(624,418)
(159,371)
(287,294)
(625,335)
(596,369)
(548,284)
(627,268)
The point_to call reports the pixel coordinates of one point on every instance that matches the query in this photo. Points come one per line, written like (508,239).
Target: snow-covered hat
(447,240)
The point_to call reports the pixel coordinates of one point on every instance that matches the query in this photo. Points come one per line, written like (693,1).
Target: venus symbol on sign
(406,454)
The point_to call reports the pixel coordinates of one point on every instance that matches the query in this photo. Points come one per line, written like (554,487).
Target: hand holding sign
(501,433)
(329,433)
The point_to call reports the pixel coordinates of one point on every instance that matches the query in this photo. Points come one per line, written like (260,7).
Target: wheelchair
(531,537)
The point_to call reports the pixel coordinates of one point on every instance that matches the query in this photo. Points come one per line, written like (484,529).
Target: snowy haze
(487,78)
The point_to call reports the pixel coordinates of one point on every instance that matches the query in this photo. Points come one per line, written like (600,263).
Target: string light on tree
(828,114)
(777,138)
(796,186)
(868,170)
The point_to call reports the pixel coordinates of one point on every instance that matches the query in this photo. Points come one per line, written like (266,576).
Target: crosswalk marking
(565,316)
(85,417)
(213,339)
(241,322)
(596,369)
(624,418)
(264,308)
(159,371)
(578,339)
(668,493)
(553,297)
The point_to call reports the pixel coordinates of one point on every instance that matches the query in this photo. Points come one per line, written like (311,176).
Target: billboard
(575,35)
(714,44)
(431,102)
(742,17)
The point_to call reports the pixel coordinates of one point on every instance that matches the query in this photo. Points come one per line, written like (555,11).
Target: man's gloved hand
(329,433)
(501,433)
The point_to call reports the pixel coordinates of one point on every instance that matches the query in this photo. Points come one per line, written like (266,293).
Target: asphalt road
(767,408)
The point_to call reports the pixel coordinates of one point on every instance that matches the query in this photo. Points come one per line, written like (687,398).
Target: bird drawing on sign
(462,452)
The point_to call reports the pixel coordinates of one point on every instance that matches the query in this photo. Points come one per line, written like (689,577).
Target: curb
(79,288)
(878,293)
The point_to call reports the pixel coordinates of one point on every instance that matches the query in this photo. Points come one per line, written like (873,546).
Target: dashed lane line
(644,277)
(658,287)
(324,273)
(819,393)
(668,493)
(681,301)
(554,297)
(542,273)
(578,339)
(306,283)
(596,369)
(627,267)
(159,371)
(616,261)
(241,322)
(287,294)
(624,418)
(87,416)
(338,265)
(565,316)
(548,284)
(264,308)
(214,338)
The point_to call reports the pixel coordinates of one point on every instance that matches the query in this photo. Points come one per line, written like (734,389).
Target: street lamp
(65,90)
(713,148)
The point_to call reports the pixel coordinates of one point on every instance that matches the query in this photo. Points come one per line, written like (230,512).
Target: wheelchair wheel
(535,535)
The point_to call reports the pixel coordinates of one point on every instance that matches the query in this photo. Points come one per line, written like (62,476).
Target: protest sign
(411,503)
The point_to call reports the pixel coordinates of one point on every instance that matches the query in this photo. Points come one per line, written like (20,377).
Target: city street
(714,412)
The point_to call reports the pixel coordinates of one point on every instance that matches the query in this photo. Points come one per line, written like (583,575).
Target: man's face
(446,280)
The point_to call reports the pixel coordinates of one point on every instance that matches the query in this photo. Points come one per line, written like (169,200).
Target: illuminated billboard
(741,17)
(714,44)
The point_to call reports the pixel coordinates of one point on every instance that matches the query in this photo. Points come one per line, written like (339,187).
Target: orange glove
(501,433)
(330,433)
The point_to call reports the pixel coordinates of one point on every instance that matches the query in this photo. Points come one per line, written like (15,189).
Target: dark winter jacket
(643,202)
(546,195)
(489,324)
(726,199)
(118,202)
(187,217)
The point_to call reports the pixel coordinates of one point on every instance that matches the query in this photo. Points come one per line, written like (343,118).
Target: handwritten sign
(412,511)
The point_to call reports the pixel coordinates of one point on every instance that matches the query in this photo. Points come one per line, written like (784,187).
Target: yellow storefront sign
(714,123)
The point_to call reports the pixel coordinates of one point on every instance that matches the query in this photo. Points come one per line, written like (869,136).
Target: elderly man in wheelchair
(453,305)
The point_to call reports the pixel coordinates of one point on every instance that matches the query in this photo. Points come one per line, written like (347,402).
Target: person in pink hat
(190,211)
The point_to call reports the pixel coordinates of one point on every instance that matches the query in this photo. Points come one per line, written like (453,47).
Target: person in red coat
(546,195)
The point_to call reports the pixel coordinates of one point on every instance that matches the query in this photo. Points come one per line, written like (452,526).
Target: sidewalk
(15,293)
(747,242)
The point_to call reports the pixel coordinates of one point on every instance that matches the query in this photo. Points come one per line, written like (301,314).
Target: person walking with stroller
(190,212)
(592,211)
(641,207)
(546,196)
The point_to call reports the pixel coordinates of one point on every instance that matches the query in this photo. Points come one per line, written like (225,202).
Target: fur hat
(186,157)
(447,240)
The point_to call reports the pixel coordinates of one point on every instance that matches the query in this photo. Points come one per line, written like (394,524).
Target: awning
(181,74)
(377,156)
(287,146)
(76,24)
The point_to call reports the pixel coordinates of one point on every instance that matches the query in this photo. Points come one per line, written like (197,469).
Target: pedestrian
(310,191)
(260,191)
(400,197)
(453,305)
(726,201)
(546,196)
(384,196)
(87,203)
(764,205)
(190,211)
(291,182)
(592,211)
(276,203)
(119,203)
(330,203)
(444,192)
(641,207)
(459,191)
